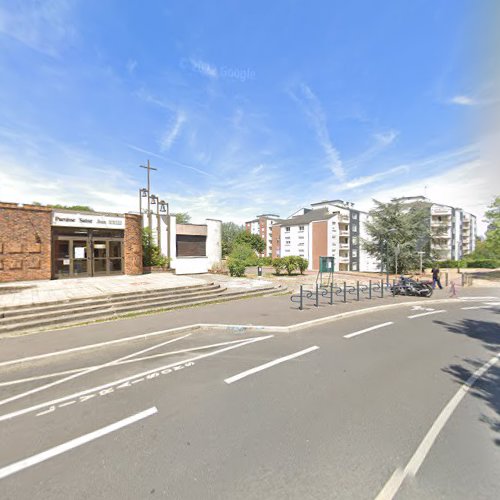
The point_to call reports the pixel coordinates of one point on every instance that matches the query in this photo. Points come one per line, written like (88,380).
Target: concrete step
(113,312)
(125,303)
(104,302)
(105,298)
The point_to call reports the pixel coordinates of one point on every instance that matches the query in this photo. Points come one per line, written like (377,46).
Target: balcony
(344,246)
(344,233)
(344,260)
(344,218)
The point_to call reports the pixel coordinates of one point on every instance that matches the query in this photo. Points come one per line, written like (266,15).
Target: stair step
(115,313)
(103,303)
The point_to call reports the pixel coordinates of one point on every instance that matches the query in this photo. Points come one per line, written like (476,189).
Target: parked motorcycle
(408,286)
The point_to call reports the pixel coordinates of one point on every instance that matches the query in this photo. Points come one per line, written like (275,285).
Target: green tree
(397,232)
(182,218)
(230,232)
(254,240)
(244,253)
(79,208)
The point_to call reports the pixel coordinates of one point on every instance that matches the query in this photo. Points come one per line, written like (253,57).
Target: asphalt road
(366,407)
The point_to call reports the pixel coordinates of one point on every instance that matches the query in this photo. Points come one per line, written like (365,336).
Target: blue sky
(245,107)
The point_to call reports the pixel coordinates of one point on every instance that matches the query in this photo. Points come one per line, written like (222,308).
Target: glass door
(62,256)
(100,257)
(79,264)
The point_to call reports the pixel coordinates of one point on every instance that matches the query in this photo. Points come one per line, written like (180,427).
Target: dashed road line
(246,373)
(425,314)
(74,443)
(376,327)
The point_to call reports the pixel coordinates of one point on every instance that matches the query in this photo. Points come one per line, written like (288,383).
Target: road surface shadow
(487,388)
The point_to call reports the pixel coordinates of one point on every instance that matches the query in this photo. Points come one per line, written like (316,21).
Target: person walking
(436,278)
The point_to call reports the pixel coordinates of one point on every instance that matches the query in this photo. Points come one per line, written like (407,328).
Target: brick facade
(25,242)
(133,244)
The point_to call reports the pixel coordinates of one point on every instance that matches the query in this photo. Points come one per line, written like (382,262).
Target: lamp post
(421,254)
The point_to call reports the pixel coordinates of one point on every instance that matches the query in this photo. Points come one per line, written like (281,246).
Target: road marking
(426,314)
(246,373)
(62,405)
(420,308)
(135,360)
(470,308)
(492,303)
(478,298)
(89,370)
(354,334)
(74,443)
(396,480)
(8,416)
(100,344)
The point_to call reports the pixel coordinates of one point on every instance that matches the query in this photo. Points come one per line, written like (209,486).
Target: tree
(489,248)
(182,218)
(230,232)
(254,240)
(397,232)
(79,208)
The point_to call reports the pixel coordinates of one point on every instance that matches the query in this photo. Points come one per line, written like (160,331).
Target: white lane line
(100,344)
(135,360)
(8,416)
(492,303)
(89,370)
(354,334)
(396,480)
(246,373)
(477,298)
(62,405)
(74,443)
(426,314)
(474,307)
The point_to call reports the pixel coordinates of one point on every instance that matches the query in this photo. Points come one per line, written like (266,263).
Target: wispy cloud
(370,179)
(317,118)
(170,135)
(43,26)
(170,160)
(383,140)
(204,68)
(463,100)
(131,65)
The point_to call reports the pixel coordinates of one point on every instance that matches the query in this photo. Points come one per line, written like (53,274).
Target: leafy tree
(79,208)
(182,218)
(278,265)
(397,232)
(245,253)
(230,231)
(290,264)
(492,241)
(254,240)
(302,264)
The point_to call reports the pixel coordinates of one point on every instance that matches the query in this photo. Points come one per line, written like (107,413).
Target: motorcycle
(408,286)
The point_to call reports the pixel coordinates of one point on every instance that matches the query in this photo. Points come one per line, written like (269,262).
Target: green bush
(151,255)
(484,263)
(265,261)
(245,253)
(278,265)
(449,264)
(236,267)
(302,264)
(290,264)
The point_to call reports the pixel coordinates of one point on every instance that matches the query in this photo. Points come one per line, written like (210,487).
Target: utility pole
(149,168)
(420,253)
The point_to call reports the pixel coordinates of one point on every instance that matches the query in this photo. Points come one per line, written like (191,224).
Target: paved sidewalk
(36,292)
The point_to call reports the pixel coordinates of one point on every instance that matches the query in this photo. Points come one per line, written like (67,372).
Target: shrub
(484,263)
(219,268)
(451,264)
(236,268)
(278,265)
(290,264)
(151,254)
(245,253)
(265,261)
(302,264)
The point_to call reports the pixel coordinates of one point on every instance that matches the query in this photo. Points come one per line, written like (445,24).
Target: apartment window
(354,253)
(301,244)
(355,228)
(301,228)
(287,229)
(301,237)
(355,216)
(354,266)
(355,240)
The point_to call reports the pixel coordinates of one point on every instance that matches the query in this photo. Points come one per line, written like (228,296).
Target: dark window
(191,245)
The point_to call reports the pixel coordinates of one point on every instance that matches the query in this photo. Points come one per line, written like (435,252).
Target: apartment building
(453,229)
(262,226)
(327,229)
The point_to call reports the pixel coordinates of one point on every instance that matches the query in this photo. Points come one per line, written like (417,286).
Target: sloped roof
(310,216)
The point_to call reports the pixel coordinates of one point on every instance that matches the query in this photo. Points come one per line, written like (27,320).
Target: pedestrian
(435,278)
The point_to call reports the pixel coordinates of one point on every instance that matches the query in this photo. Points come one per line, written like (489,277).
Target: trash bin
(259,271)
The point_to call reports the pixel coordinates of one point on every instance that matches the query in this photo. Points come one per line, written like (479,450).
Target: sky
(248,107)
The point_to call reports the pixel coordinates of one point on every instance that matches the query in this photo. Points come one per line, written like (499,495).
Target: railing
(334,293)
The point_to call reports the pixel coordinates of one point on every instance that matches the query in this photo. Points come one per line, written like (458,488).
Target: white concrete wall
(191,265)
(367,263)
(296,241)
(214,241)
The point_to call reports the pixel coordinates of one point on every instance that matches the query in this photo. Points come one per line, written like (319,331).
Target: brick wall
(133,244)
(25,242)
